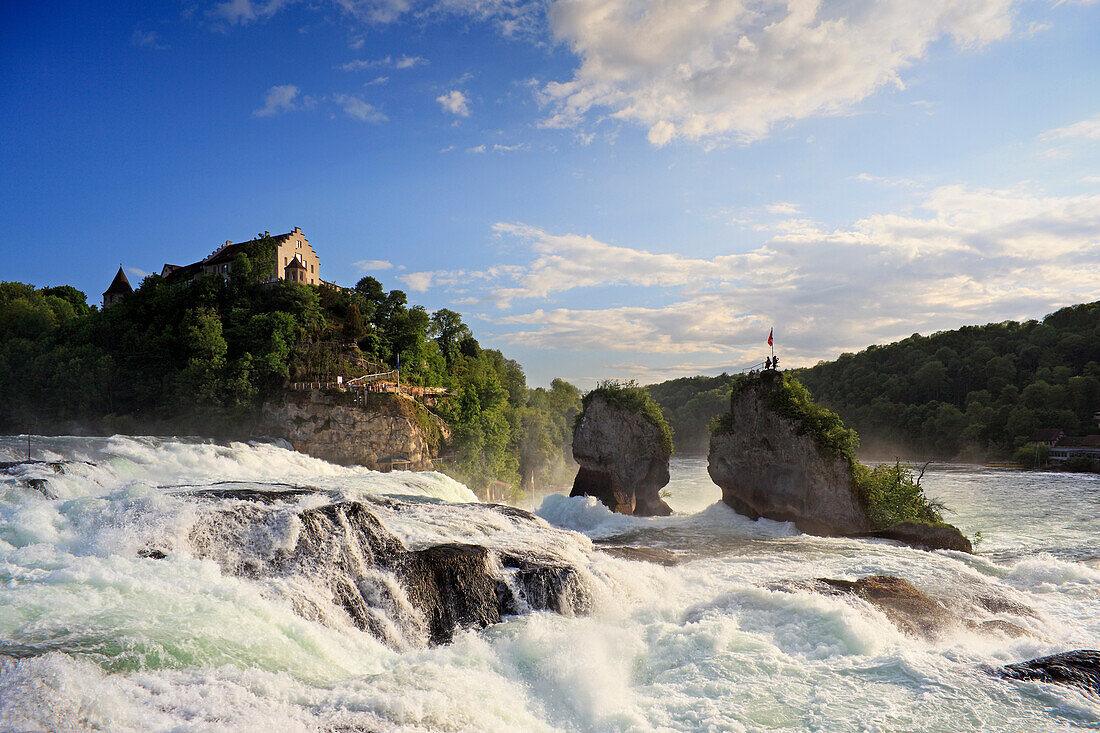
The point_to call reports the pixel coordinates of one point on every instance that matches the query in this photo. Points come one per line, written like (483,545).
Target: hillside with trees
(974,393)
(199,356)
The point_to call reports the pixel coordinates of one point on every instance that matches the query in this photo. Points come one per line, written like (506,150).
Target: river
(95,636)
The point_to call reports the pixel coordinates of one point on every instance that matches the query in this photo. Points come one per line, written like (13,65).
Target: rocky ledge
(378,431)
(338,564)
(623,452)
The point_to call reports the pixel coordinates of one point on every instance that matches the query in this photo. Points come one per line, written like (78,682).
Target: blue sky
(604,188)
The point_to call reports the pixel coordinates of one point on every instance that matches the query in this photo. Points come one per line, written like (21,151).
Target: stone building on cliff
(294,260)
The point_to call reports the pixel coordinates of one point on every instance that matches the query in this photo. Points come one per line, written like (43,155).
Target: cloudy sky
(604,188)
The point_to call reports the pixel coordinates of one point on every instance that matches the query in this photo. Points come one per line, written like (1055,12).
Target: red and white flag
(770,337)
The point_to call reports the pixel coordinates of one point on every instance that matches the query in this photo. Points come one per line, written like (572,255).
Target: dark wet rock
(924,536)
(657,555)
(55,466)
(152,553)
(255,495)
(453,587)
(1079,668)
(401,596)
(21,651)
(40,485)
(767,465)
(918,613)
(542,583)
(623,458)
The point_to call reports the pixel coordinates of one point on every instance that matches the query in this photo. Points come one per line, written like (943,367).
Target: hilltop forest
(200,356)
(974,393)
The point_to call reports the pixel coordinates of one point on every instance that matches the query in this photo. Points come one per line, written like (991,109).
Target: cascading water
(151,584)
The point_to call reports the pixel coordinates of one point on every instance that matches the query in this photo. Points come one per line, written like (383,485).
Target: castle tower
(119,289)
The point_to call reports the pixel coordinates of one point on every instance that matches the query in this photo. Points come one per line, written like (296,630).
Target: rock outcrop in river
(338,562)
(778,455)
(622,445)
(769,465)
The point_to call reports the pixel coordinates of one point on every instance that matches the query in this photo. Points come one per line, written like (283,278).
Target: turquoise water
(120,642)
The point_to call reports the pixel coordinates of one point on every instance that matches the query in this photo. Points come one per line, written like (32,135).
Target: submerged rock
(1079,668)
(917,613)
(340,556)
(925,536)
(623,457)
(907,608)
(768,465)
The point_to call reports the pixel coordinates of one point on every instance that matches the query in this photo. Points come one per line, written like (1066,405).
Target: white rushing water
(100,638)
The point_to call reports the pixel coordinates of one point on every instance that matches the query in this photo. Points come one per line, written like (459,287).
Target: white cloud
(455,102)
(373,265)
(1085,129)
(477,149)
(278,99)
(355,107)
(409,62)
(418,282)
(884,180)
(782,207)
(136,273)
(242,12)
(968,255)
(400,62)
(147,39)
(510,16)
(736,68)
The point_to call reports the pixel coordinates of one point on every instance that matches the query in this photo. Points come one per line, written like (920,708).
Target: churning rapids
(153,584)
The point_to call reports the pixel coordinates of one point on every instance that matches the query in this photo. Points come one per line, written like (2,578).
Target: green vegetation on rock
(627,395)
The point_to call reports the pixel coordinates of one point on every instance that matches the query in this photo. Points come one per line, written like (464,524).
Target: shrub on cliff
(627,395)
(890,495)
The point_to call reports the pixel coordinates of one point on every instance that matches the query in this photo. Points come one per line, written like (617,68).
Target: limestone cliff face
(622,458)
(767,467)
(335,428)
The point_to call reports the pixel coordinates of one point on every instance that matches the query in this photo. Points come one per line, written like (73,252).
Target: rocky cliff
(769,465)
(383,431)
(623,452)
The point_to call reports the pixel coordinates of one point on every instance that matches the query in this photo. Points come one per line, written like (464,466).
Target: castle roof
(295,263)
(224,255)
(120,285)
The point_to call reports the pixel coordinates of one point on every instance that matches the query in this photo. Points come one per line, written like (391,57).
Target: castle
(294,260)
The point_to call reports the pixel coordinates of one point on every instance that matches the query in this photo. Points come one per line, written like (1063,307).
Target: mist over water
(95,636)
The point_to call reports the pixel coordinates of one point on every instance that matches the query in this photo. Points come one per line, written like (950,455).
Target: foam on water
(122,642)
